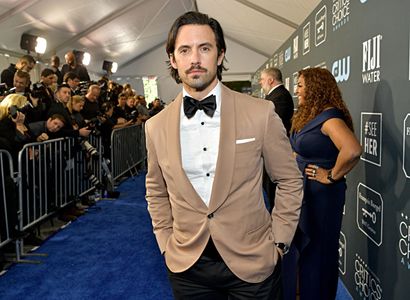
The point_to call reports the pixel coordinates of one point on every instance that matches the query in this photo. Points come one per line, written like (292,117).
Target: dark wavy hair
(195,18)
(321,92)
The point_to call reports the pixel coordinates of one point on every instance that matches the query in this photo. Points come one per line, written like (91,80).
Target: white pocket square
(243,141)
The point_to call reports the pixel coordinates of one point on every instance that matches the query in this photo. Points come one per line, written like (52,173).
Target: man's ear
(221,57)
(172,61)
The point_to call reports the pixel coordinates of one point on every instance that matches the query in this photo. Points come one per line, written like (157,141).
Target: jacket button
(210,216)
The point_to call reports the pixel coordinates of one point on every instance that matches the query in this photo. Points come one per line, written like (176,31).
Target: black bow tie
(191,105)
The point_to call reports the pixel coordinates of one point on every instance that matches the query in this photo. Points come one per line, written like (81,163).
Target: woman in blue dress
(326,149)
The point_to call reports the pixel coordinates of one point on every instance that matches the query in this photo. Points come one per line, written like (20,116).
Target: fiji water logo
(371,59)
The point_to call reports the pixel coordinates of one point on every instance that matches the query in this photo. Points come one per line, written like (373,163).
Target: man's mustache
(195,68)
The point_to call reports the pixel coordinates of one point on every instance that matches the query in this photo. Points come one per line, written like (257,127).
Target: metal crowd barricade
(127,150)
(53,174)
(7,190)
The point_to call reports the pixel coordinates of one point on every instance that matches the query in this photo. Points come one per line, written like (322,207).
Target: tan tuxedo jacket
(242,229)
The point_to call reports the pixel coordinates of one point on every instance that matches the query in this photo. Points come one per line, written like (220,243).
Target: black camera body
(95,124)
(14,109)
(133,115)
(38,91)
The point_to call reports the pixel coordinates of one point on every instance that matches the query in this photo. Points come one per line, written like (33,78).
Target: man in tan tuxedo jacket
(204,180)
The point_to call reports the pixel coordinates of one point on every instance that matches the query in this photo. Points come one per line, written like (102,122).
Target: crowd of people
(68,94)
(65,103)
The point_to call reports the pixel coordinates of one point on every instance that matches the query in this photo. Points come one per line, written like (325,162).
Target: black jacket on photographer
(34,111)
(7,75)
(46,98)
(67,130)
(11,139)
(90,110)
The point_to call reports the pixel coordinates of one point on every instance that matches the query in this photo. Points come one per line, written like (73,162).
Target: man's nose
(195,57)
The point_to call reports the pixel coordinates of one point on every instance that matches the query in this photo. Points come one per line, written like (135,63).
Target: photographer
(75,106)
(120,114)
(21,86)
(73,81)
(26,63)
(62,97)
(45,130)
(12,126)
(91,106)
(42,88)
(108,123)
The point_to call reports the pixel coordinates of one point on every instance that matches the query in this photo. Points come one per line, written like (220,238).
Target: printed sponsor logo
(371,137)
(340,13)
(288,54)
(295,47)
(287,83)
(341,69)
(281,59)
(369,216)
(320,26)
(295,83)
(368,285)
(371,59)
(404,241)
(406,146)
(275,60)
(306,38)
(342,253)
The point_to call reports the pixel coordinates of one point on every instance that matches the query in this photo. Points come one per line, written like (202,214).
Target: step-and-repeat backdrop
(365,44)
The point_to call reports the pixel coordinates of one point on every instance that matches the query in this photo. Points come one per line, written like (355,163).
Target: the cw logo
(341,69)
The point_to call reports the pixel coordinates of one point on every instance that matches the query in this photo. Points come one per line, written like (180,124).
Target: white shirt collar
(271,90)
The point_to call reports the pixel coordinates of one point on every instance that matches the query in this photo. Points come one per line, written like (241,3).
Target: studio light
(86,59)
(82,57)
(32,43)
(114,67)
(109,66)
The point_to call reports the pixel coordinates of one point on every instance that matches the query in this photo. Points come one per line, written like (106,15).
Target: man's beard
(201,81)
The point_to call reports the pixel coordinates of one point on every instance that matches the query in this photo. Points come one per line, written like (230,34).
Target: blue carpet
(109,253)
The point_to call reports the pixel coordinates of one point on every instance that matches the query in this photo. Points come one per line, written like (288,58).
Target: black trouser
(210,278)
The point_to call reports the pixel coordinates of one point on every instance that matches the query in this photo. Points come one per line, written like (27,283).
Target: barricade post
(127,150)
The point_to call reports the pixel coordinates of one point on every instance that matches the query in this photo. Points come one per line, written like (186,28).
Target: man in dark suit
(275,91)
(204,180)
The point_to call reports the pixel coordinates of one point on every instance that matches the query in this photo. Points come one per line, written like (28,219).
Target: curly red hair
(321,92)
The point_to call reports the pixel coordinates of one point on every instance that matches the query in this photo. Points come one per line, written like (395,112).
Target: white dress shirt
(199,146)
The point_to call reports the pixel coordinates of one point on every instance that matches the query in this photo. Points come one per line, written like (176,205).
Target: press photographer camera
(83,87)
(132,116)
(88,148)
(39,91)
(95,125)
(14,109)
